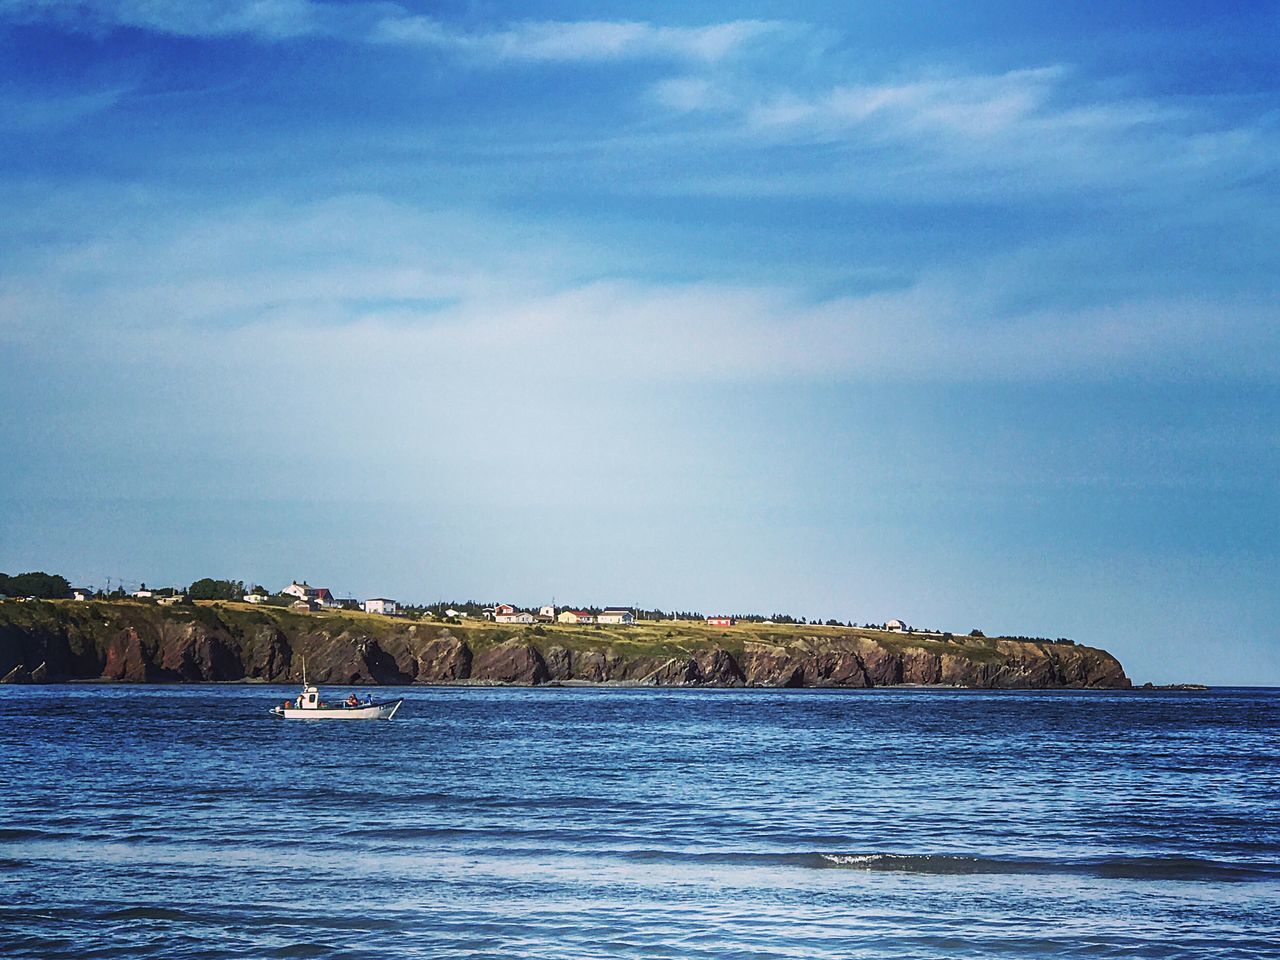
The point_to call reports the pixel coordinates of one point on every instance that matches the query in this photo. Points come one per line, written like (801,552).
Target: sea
(184,821)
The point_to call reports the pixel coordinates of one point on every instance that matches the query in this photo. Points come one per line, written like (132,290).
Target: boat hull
(373,711)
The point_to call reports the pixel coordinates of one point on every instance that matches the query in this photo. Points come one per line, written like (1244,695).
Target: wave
(302,950)
(1171,868)
(149,913)
(29,833)
(1107,868)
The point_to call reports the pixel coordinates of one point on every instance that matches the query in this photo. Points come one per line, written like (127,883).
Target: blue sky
(967,317)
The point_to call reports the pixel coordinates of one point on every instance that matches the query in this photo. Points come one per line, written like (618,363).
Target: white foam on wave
(853,858)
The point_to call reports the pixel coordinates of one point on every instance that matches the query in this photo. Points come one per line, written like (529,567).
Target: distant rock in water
(134,642)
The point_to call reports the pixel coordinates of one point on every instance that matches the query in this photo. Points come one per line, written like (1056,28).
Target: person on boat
(353,700)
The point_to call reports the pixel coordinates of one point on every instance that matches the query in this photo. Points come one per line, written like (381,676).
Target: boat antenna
(304,671)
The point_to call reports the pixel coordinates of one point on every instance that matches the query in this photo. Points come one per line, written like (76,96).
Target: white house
(304,591)
(616,615)
(517,616)
(895,626)
(455,613)
(81,593)
(254,597)
(547,611)
(381,605)
(576,616)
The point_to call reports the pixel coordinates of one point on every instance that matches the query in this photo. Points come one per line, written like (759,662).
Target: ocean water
(577,823)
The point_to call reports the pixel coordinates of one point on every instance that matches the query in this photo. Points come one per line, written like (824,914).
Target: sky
(960,314)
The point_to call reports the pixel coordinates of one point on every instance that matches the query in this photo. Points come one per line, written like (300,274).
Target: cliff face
(140,643)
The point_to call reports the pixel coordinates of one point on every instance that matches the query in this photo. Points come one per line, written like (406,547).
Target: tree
(209,589)
(42,586)
(976,633)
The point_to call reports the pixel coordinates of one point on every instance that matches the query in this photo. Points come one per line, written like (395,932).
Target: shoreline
(256,682)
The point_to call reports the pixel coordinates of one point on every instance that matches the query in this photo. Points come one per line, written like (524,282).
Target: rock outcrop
(510,662)
(140,643)
(443,660)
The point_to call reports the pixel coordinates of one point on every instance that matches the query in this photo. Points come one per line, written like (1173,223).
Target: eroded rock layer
(140,643)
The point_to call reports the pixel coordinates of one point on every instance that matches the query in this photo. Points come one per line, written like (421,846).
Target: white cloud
(960,107)
(449,291)
(25,112)
(388,23)
(268,19)
(947,136)
(577,41)
(687,94)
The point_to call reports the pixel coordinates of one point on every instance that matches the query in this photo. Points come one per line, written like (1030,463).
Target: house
(517,616)
(325,598)
(576,616)
(82,593)
(304,591)
(501,609)
(143,594)
(254,597)
(304,606)
(895,626)
(548,611)
(721,621)
(171,599)
(381,605)
(616,615)
(455,613)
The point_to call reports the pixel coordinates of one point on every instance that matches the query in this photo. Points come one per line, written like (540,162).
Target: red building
(721,621)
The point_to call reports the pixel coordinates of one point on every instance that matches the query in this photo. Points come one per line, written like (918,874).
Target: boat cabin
(310,699)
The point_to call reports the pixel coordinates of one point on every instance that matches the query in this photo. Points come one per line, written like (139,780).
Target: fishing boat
(309,706)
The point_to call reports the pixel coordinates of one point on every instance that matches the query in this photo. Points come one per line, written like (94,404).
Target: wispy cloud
(445,292)
(268,19)
(958,133)
(388,23)
(32,112)
(581,41)
(972,106)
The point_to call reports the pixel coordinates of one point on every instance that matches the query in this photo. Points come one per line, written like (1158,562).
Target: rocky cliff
(51,641)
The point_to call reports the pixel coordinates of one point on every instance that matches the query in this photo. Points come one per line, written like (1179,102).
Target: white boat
(309,706)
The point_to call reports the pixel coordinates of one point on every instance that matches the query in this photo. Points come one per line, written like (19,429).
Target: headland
(215,641)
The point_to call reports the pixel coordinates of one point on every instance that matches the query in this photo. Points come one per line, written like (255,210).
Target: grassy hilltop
(135,641)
